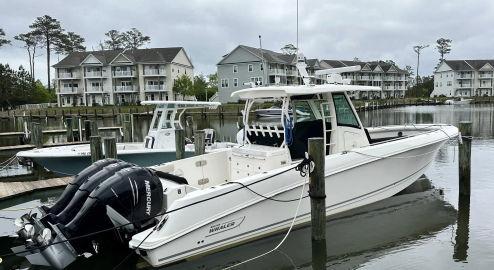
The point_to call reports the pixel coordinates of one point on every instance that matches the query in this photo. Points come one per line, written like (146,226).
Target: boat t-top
(158,146)
(186,208)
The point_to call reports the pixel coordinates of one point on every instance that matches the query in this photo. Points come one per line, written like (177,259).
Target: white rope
(282,240)
(10,161)
(7,160)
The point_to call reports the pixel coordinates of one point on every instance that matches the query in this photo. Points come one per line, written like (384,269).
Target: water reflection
(462,229)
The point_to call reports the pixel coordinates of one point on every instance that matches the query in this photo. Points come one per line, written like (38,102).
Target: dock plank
(11,189)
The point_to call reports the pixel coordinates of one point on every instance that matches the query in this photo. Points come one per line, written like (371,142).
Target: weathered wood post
(465,154)
(37,135)
(87,129)
(70,129)
(110,146)
(317,193)
(189,127)
(94,128)
(126,126)
(180,143)
(199,142)
(96,149)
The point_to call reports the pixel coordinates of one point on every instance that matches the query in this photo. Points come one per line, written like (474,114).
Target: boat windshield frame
(169,115)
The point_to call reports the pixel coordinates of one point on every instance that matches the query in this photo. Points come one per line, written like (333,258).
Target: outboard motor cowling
(74,185)
(135,193)
(84,190)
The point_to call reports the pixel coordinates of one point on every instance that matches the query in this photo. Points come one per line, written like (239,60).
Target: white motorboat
(201,204)
(458,101)
(158,147)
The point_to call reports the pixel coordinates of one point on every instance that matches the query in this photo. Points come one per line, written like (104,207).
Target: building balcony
(123,73)
(155,88)
(364,78)
(94,74)
(154,72)
(463,86)
(485,75)
(94,89)
(464,77)
(125,88)
(70,90)
(66,75)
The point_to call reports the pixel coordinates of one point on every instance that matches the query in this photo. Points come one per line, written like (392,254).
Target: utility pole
(262,61)
(417,50)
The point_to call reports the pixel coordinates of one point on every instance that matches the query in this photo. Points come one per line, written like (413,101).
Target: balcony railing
(123,73)
(125,88)
(70,90)
(485,75)
(95,89)
(154,72)
(66,75)
(465,76)
(94,74)
(154,88)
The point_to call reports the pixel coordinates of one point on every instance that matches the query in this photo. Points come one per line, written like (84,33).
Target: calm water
(422,230)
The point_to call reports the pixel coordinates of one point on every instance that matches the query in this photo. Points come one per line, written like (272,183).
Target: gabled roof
(153,55)
(267,55)
(371,64)
(458,65)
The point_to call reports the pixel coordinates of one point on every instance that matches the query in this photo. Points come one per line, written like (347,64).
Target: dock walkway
(11,189)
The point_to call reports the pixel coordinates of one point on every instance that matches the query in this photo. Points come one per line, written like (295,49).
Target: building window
(251,68)
(235,82)
(224,83)
(235,69)
(256,80)
(262,67)
(450,83)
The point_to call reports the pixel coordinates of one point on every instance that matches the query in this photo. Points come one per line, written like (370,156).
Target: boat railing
(271,130)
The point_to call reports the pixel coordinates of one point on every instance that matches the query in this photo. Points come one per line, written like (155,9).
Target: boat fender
(74,185)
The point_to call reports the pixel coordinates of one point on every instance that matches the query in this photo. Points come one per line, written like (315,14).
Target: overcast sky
(329,29)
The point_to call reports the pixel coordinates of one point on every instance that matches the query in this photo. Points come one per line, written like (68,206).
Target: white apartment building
(392,80)
(464,78)
(111,77)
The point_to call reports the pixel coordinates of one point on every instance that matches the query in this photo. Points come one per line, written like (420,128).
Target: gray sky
(337,29)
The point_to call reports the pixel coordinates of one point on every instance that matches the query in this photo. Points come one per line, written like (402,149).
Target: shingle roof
(268,55)
(372,64)
(478,64)
(458,65)
(153,55)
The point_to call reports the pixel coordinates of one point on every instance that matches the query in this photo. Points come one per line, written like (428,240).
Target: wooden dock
(57,131)
(12,189)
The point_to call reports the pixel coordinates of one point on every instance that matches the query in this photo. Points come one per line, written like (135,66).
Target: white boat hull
(352,180)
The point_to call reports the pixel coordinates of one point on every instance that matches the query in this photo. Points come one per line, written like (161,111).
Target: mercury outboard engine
(133,196)
(83,192)
(72,187)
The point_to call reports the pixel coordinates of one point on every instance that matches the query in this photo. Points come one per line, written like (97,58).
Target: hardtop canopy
(182,104)
(272,92)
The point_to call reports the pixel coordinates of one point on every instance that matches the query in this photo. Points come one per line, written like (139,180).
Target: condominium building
(391,79)
(464,78)
(246,65)
(119,76)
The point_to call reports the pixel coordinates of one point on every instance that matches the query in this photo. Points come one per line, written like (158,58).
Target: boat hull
(352,180)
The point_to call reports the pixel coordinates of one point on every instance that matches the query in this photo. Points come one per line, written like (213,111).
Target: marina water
(427,227)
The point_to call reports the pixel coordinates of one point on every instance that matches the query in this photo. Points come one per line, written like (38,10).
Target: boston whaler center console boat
(158,146)
(185,208)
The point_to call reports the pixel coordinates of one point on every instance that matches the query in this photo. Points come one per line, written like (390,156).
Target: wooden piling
(189,127)
(179,143)
(465,154)
(317,189)
(127,127)
(96,149)
(37,135)
(199,142)
(110,145)
(94,128)
(87,129)
(70,129)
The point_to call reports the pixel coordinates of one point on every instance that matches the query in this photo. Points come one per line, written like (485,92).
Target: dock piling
(70,129)
(37,135)
(94,128)
(110,146)
(180,143)
(199,142)
(189,127)
(465,154)
(87,129)
(96,149)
